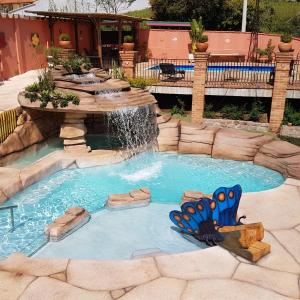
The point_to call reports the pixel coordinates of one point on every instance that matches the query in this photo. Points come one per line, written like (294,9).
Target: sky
(44,5)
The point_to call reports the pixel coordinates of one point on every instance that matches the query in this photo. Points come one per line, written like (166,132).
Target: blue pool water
(166,174)
(217,68)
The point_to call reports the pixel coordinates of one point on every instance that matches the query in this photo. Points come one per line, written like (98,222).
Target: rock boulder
(280,156)
(196,139)
(168,137)
(62,226)
(237,144)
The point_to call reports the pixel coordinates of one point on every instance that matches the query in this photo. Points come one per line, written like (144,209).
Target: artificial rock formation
(280,156)
(73,131)
(72,220)
(196,139)
(237,144)
(135,198)
(189,196)
(168,137)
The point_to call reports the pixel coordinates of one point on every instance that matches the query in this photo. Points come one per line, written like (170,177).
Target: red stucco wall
(174,44)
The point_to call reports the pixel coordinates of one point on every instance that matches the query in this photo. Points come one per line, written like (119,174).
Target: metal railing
(240,73)
(295,72)
(179,70)
(12,218)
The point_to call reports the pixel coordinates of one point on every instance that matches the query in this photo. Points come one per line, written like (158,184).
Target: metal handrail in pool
(12,219)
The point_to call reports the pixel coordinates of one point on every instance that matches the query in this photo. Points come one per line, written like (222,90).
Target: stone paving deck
(10,89)
(211,273)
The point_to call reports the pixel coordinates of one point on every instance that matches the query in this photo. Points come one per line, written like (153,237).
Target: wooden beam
(120,31)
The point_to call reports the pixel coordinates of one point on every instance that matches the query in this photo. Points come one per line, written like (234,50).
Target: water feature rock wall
(225,143)
(32,127)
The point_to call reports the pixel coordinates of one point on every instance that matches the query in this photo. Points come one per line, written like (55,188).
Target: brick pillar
(199,86)
(281,81)
(128,61)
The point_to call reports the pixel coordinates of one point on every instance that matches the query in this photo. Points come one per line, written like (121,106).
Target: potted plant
(64,40)
(128,44)
(199,40)
(265,55)
(285,44)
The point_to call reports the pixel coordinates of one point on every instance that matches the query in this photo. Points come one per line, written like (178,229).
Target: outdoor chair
(169,70)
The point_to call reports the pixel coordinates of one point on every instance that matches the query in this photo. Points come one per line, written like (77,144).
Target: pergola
(97,19)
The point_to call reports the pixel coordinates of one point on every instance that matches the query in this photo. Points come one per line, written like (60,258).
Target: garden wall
(227,143)
(175,44)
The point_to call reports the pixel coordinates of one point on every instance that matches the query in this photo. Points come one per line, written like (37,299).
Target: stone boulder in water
(135,198)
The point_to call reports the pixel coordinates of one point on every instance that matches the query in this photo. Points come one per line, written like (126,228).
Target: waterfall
(135,128)
(108,92)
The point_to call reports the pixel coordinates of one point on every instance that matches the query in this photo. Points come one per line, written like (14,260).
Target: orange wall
(175,44)
(19,56)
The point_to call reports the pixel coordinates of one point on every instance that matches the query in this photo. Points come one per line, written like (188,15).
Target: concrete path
(10,89)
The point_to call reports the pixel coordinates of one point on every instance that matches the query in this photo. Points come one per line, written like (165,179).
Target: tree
(211,11)
(112,6)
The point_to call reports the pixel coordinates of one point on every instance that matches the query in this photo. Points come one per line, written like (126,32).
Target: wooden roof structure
(97,19)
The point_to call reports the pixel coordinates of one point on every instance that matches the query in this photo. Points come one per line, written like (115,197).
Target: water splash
(135,128)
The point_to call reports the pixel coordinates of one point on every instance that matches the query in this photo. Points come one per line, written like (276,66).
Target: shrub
(232,112)
(268,51)
(291,115)
(256,110)
(209,113)
(286,38)
(178,109)
(128,39)
(64,37)
(140,82)
(203,39)
(76,64)
(44,91)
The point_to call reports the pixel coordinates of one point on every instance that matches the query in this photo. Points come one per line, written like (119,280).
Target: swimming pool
(167,175)
(217,68)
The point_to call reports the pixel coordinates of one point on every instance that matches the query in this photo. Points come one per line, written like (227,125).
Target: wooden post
(96,23)
(76,36)
(51,24)
(120,30)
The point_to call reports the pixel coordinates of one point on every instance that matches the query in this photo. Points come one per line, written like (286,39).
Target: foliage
(257,109)
(64,37)
(291,115)
(112,7)
(197,30)
(178,109)
(128,39)
(116,72)
(76,64)
(209,112)
(268,51)
(286,38)
(141,82)
(232,112)
(143,13)
(44,91)
(53,53)
(211,11)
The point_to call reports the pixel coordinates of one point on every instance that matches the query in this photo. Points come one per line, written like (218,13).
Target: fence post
(283,61)
(128,62)
(198,100)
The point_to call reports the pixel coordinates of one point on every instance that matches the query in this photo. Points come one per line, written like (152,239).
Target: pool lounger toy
(214,222)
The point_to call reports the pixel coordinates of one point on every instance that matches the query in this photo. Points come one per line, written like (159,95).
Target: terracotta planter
(128,46)
(285,47)
(202,47)
(65,44)
(263,58)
